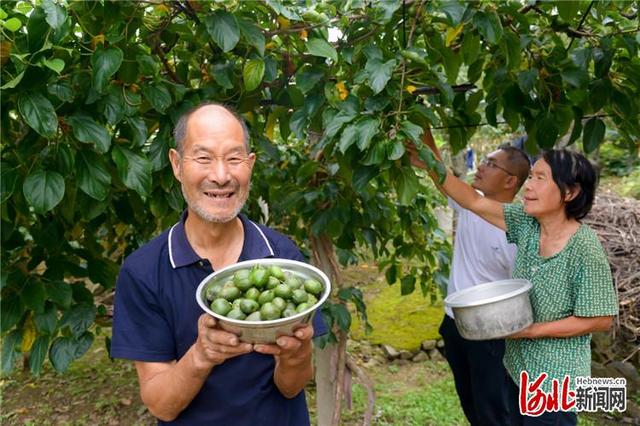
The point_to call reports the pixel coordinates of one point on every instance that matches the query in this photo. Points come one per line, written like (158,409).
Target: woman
(573,293)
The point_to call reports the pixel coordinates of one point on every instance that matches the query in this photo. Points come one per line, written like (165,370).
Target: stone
(420,357)
(440,343)
(427,345)
(390,352)
(405,354)
(401,362)
(435,355)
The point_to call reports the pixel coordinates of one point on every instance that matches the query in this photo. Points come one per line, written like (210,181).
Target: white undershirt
(480,253)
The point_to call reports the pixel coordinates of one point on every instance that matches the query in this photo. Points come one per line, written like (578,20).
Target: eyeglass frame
(493,165)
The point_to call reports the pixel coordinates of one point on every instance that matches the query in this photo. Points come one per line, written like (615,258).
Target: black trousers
(480,377)
(559,418)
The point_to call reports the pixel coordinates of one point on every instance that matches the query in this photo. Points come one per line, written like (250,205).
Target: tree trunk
(330,361)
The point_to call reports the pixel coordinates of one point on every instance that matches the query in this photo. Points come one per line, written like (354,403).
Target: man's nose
(219,172)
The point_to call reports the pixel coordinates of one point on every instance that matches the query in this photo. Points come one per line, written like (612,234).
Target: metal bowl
(492,310)
(265,331)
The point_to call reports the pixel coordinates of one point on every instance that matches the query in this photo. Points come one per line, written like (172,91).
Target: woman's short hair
(572,170)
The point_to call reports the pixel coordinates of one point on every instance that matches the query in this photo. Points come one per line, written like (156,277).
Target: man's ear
(511,183)
(572,193)
(174,158)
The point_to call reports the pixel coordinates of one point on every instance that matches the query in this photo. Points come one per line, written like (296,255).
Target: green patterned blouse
(576,281)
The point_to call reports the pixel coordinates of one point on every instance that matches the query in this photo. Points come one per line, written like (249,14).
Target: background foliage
(330,90)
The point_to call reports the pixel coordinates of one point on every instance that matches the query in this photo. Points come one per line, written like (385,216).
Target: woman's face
(541,194)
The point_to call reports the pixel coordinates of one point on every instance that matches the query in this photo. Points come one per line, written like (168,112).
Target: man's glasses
(487,162)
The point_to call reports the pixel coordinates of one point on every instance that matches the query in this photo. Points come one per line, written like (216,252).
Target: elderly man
(191,371)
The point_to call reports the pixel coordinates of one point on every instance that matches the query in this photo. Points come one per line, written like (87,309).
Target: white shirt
(481,253)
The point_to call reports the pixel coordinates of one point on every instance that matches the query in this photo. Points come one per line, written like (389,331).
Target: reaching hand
(413,155)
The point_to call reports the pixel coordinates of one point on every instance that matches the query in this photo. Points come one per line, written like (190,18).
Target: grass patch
(403,322)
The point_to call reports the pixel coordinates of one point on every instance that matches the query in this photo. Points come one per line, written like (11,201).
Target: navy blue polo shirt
(155,320)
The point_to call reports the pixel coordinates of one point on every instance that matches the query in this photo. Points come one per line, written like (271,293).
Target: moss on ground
(400,321)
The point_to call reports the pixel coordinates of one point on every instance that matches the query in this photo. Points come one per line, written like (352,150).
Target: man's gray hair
(180,131)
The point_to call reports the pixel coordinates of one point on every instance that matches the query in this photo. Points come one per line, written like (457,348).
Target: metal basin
(265,331)
(492,310)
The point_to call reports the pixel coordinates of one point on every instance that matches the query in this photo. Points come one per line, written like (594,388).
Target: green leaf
(306,80)
(39,114)
(134,170)
(93,177)
(38,354)
(333,125)
(341,315)
(47,321)
(576,77)
(367,127)
(79,318)
(348,137)
(86,130)
(298,123)
(56,15)
(546,132)
(10,344)
(33,296)
(158,96)
(454,11)
(568,9)
(13,82)
(320,47)
(376,155)
(391,274)
(527,79)
(11,310)
(139,130)
(362,175)
(252,34)
(223,29)
(412,131)
(470,48)
(395,150)
(61,90)
(593,134)
(56,64)
(12,24)
(8,180)
(407,284)
(379,73)
(406,183)
(43,190)
(67,349)
(577,129)
(252,74)
(105,63)
(489,25)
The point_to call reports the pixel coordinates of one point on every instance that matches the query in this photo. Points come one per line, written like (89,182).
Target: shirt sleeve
(595,290)
(455,206)
(516,221)
(140,330)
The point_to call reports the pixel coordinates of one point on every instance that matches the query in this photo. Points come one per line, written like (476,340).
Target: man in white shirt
(481,254)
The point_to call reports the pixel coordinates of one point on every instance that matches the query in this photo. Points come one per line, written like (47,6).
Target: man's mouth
(218,194)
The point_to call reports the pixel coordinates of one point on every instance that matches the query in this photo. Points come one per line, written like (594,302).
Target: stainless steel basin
(492,310)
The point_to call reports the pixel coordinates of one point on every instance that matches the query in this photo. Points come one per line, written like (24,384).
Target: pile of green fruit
(262,293)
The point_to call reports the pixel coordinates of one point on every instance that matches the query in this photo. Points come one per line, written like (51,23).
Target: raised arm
(461,192)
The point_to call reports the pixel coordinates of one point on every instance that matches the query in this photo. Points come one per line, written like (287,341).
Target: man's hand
(214,345)
(293,360)
(414,157)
